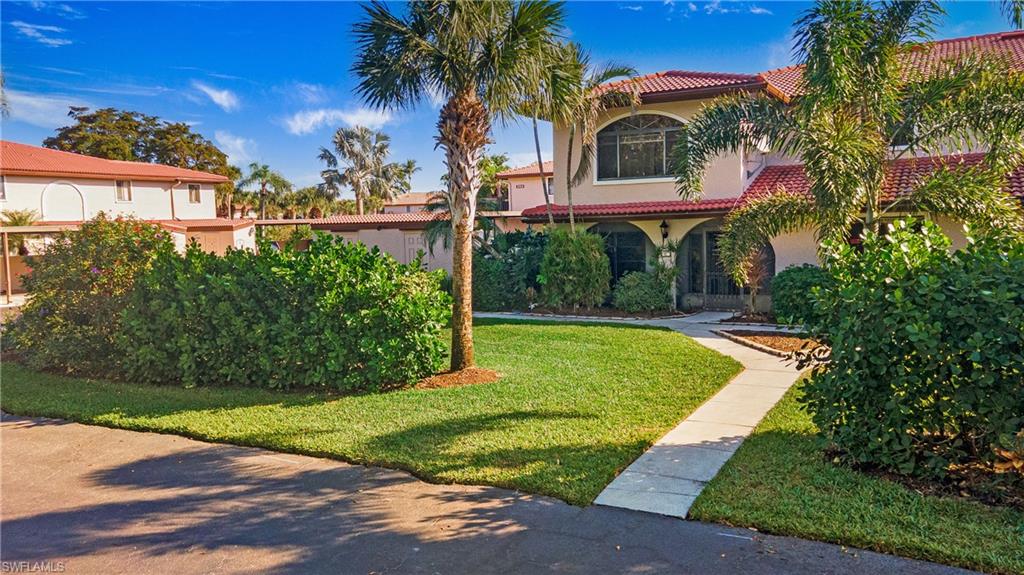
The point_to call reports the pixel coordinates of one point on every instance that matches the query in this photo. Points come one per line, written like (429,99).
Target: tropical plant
(439,230)
(360,163)
(14,218)
(793,290)
(575,271)
(264,180)
(857,99)
(482,58)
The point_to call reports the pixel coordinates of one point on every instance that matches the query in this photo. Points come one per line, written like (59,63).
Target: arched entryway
(703,282)
(627,246)
(62,202)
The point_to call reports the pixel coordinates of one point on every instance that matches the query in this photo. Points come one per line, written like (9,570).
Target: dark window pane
(607,158)
(641,155)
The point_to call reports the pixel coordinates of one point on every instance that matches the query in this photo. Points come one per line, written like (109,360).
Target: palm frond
(975,195)
(749,228)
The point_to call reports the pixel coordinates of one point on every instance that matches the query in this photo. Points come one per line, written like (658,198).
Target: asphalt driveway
(95,500)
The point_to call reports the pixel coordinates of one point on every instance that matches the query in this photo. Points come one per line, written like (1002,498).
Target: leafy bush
(792,293)
(575,271)
(336,316)
(79,285)
(927,350)
(643,292)
(505,275)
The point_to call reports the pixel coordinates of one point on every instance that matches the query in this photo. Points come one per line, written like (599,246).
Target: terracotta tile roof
(923,58)
(531,170)
(902,177)
(411,199)
(202,224)
(24,160)
(663,208)
(682,82)
(365,219)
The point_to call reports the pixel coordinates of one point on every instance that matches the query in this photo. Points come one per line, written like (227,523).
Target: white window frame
(3,188)
(131,192)
(199,194)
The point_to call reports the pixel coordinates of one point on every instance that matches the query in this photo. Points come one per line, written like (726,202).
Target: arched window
(636,147)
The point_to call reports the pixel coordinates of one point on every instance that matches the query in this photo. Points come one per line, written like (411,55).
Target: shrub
(575,271)
(643,292)
(79,285)
(505,275)
(335,316)
(927,350)
(792,293)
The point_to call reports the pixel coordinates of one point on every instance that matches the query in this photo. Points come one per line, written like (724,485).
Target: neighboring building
(66,188)
(631,195)
(407,203)
(524,187)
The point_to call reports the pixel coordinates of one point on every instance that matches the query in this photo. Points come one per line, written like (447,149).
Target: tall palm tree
(362,155)
(14,218)
(483,58)
(590,98)
(265,180)
(857,100)
(439,230)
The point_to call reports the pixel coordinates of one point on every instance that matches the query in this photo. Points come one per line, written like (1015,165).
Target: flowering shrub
(79,285)
(927,359)
(336,316)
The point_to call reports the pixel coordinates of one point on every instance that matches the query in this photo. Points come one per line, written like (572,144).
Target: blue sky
(270,82)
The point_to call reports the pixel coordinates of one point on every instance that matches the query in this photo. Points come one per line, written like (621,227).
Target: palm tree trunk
(540,170)
(462,132)
(568,178)
(359,202)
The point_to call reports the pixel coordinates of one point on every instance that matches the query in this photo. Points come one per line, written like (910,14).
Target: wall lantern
(664,230)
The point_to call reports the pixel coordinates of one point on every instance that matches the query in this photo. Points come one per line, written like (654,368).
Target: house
(406,203)
(525,186)
(630,196)
(65,189)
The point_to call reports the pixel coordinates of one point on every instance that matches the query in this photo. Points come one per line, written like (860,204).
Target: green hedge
(643,292)
(79,285)
(505,276)
(575,271)
(335,316)
(927,347)
(792,293)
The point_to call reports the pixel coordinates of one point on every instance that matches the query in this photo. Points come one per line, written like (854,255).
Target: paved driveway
(97,500)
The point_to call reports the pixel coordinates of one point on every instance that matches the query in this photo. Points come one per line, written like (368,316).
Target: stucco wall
(724,177)
(794,249)
(402,245)
(19,267)
(524,193)
(80,199)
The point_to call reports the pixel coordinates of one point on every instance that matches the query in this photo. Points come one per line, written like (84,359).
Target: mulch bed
(751,318)
(469,376)
(777,340)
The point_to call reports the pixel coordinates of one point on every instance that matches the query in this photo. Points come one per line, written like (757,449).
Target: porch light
(664,230)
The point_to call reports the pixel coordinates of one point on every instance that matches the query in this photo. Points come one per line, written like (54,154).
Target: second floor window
(637,146)
(124,190)
(3,188)
(193,194)
(551,186)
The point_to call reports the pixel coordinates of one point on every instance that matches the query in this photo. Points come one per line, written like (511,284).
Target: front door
(719,289)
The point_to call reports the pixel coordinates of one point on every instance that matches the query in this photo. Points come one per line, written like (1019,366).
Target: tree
(363,154)
(265,180)
(490,166)
(14,218)
(857,100)
(482,58)
(5,108)
(440,228)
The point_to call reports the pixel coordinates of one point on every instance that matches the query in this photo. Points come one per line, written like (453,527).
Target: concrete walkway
(669,476)
(86,499)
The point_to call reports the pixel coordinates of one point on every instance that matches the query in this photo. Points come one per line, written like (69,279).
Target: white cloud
(226,99)
(238,149)
(716,7)
(631,7)
(436,96)
(308,121)
(691,6)
(60,9)
(310,93)
(760,11)
(62,71)
(42,33)
(43,110)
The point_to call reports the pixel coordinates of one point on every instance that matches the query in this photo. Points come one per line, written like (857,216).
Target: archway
(62,202)
(703,282)
(628,247)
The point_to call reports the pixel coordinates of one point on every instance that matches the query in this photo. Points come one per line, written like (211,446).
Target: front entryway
(703,282)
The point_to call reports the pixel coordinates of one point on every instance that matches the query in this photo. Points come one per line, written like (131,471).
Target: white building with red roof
(631,196)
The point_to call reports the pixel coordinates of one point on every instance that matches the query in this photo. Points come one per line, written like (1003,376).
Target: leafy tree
(857,99)
(440,228)
(482,58)
(490,166)
(265,180)
(362,155)
(15,218)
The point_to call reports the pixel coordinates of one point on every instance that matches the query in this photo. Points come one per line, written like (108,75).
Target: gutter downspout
(171,191)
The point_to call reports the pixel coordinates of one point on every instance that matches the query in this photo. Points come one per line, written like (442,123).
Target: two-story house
(630,196)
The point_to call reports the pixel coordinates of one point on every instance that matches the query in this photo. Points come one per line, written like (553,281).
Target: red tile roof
(531,170)
(663,208)
(923,58)
(24,160)
(683,83)
(901,178)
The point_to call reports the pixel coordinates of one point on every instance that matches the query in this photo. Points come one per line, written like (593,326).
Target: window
(193,194)
(124,190)
(637,147)
(550,189)
(627,252)
(3,188)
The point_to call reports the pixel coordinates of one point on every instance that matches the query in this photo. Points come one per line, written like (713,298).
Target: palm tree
(265,179)
(857,101)
(363,153)
(483,58)
(5,108)
(439,230)
(14,218)
(589,100)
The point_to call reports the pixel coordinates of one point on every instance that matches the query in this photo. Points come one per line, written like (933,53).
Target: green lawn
(576,404)
(780,482)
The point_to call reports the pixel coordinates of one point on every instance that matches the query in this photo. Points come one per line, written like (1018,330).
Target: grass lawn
(576,404)
(780,482)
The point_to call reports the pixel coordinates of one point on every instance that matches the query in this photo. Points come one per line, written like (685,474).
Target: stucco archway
(62,201)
